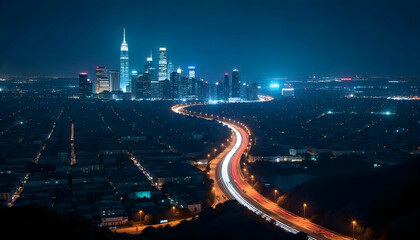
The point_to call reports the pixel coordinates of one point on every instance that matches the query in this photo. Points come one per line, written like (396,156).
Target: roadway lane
(237,185)
(230,179)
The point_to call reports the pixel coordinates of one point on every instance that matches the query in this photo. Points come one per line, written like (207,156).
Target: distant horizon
(262,40)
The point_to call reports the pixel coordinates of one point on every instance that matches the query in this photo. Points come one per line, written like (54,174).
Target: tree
(148,219)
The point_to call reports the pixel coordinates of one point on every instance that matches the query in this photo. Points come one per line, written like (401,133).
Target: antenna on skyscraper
(124,35)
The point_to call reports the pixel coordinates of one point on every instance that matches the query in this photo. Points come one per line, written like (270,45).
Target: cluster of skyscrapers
(166,83)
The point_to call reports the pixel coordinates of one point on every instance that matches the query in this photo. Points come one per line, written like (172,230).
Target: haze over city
(265,40)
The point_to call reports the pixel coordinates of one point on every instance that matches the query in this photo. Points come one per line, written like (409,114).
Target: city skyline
(211,119)
(340,38)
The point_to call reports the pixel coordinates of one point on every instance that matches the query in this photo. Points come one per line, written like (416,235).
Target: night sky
(263,39)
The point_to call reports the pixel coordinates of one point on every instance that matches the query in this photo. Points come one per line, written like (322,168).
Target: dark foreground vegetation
(384,203)
(226,221)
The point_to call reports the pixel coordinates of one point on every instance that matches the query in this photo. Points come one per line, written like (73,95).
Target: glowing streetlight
(304,210)
(275,195)
(354,225)
(140,212)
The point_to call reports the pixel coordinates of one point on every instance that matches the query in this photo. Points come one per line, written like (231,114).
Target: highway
(231,181)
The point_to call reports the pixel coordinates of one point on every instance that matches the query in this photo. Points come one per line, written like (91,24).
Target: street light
(275,195)
(173,210)
(354,224)
(140,212)
(304,210)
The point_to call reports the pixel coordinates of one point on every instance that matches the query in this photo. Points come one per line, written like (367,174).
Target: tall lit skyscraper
(133,80)
(235,83)
(89,88)
(191,72)
(163,65)
(175,85)
(114,78)
(102,80)
(124,66)
(149,63)
(83,84)
(226,87)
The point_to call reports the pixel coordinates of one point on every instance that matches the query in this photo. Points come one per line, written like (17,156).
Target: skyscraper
(163,65)
(114,79)
(133,80)
(235,83)
(149,63)
(170,68)
(166,89)
(254,91)
(143,86)
(124,66)
(220,90)
(175,85)
(226,87)
(89,88)
(83,84)
(102,80)
(191,72)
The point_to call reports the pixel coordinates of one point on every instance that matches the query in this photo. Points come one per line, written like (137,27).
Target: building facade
(124,66)
(235,83)
(114,79)
(102,80)
(83,82)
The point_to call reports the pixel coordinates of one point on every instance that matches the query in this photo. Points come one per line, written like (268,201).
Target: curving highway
(233,184)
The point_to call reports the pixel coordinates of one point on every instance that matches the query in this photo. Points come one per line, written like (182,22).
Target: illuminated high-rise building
(226,87)
(114,79)
(133,80)
(175,81)
(83,84)
(89,88)
(149,64)
(191,72)
(102,80)
(124,66)
(163,65)
(220,91)
(143,86)
(235,83)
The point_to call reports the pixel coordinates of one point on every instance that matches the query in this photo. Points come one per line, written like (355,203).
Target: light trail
(235,184)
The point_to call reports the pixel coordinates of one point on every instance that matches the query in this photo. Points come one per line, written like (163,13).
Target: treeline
(227,221)
(384,202)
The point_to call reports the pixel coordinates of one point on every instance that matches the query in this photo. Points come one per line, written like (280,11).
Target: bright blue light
(274,85)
